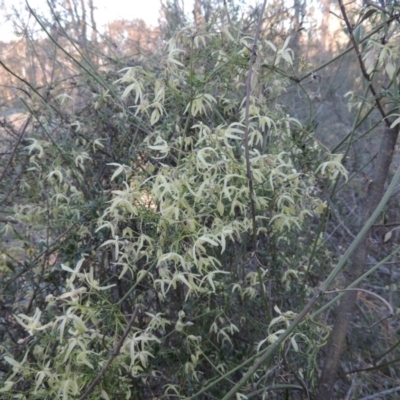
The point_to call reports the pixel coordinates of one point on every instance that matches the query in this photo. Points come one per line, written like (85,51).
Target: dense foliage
(169,216)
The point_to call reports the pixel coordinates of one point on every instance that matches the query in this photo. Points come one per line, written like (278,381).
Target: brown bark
(93,23)
(83,24)
(198,19)
(299,11)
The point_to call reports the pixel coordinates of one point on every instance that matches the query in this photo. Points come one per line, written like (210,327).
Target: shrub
(169,264)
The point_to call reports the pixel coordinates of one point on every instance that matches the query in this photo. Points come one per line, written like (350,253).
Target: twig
(44,252)
(387,304)
(375,366)
(389,391)
(354,283)
(337,16)
(386,225)
(270,349)
(21,135)
(344,52)
(374,5)
(362,233)
(362,65)
(271,388)
(351,389)
(114,354)
(297,376)
(336,214)
(378,358)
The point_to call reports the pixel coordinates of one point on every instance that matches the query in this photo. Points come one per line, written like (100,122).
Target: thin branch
(35,90)
(114,354)
(386,352)
(375,367)
(44,252)
(387,304)
(355,283)
(337,216)
(349,394)
(374,5)
(385,392)
(273,347)
(386,225)
(273,387)
(361,234)
(21,135)
(344,52)
(361,63)
(253,56)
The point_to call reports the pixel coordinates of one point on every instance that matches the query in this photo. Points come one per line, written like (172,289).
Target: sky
(148,10)
(106,11)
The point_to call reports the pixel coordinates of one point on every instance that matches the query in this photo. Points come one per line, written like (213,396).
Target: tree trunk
(347,308)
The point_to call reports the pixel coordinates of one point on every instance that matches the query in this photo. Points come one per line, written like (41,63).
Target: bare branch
(114,354)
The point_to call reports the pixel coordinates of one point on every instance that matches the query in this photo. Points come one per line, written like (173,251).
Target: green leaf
(357,33)
(10,265)
(367,15)
(220,208)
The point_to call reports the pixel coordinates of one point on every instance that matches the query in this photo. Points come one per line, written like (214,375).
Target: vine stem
(253,56)
(271,349)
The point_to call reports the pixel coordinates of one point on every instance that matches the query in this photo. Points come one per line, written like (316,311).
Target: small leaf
(294,344)
(395,122)
(226,32)
(368,14)
(390,69)
(220,208)
(118,171)
(208,240)
(388,236)
(271,45)
(7,386)
(127,90)
(356,34)
(10,265)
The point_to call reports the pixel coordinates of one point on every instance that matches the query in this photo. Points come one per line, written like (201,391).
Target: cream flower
(31,324)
